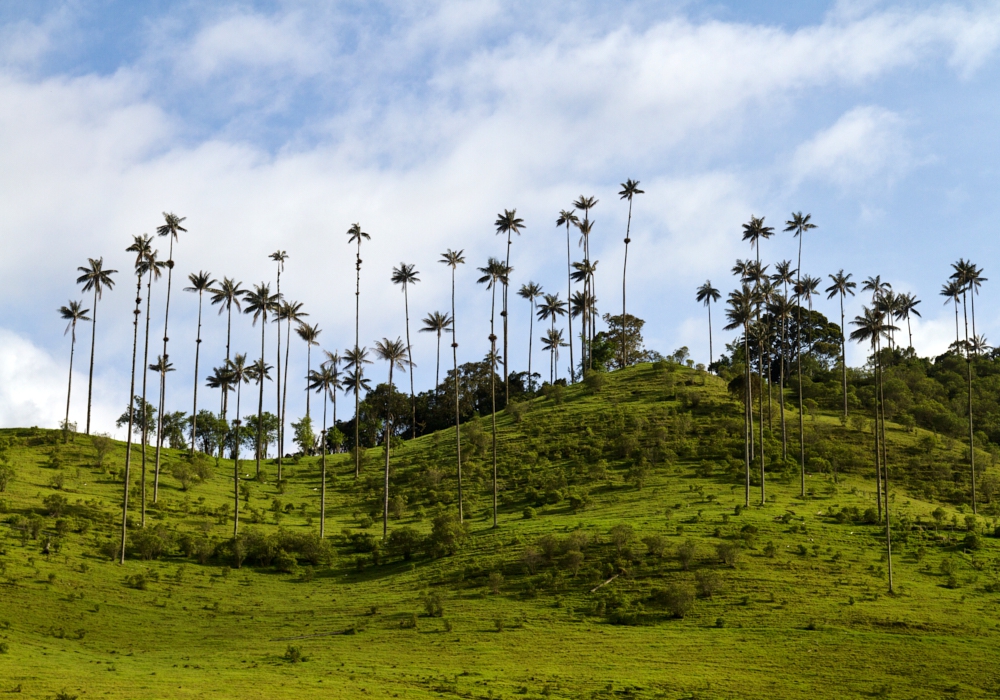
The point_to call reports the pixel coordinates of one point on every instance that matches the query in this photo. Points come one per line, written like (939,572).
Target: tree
(170,228)
(260,302)
(280,256)
(454,258)
(908,305)
(706,294)
(332,362)
(324,381)
(626,335)
(97,278)
(239,374)
(436,322)
(552,341)
(161,367)
(355,360)
(567,218)
(740,314)
(507,223)
(393,352)
(290,312)
(494,272)
(799,224)
(201,282)
(355,235)
(965,273)
(585,204)
(228,294)
(309,335)
(530,292)
(630,188)
(871,327)
(405,275)
(73,313)
(584,272)
(842,286)
(174,424)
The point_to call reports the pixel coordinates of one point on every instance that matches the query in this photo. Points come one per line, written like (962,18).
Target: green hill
(624,564)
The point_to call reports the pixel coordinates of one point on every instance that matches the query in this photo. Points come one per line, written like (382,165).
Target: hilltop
(624,565)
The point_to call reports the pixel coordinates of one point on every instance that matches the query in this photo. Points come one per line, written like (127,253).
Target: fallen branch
(597,588)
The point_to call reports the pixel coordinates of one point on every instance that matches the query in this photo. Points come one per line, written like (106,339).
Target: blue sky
(277,125)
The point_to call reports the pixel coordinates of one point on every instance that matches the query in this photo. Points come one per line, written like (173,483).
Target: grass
(812,621)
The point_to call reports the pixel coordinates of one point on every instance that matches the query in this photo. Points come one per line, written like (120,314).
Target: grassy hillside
(636,481)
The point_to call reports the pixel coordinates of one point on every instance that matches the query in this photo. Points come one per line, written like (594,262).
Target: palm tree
(781,309)
(260,302)
(72,313)
(436,322)
(280,256)
(333,361)
(507,223)
(975,279)
(530,291)
(952,291)
(147,263)
(493,273)
(355,359)
(740,314)
(842,286)
(871,326)
(289,312)
(170,228)
(585,204)
(97,278)
(356,235)
(405,275)
(323,380)
(222,380)
(395,353)
(453,259)
(799,224)
(569,218)
(706,295)
(260,372)
(161,367)
(309,335)
(200,283)
(630,188)
(551,308)
(228,294)
(583,271)
(754,231)
(908,305)
(964,271)
(237,373)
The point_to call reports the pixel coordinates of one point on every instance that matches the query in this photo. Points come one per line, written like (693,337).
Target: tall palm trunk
(236,463)
(69,385)
(968,365)
(747,414)
(458,433)
(760,408)
(781,388)
(843,350)
(229,329)
(131,411)
(284,397)
(388,440)
(145,374)
(322,487)
(357,369)
(531,336)
(798,360)
(281,415)
(506,285)
(711,354)
(885,466)
(878,434)
(308,372)
(163,375)
(409,356)
(93,338)
(260,400)
(197,353)
(569,295)
(437,366)
(628,230)
(493,399)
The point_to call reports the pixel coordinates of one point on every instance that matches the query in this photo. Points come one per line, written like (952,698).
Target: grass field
(793,606)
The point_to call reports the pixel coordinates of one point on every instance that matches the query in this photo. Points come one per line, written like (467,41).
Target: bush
(528,513)
(433,605)
(686,553)
(285,562)
(294,655)
(729,554)
(447,535)
(404,542)
(6,476)
(972,541)
(494,582)
(517,409)
(151,542)
(655,545)
(555,392)
(708,582)
(621,536)
(677,598)
(594,381)
(55,504)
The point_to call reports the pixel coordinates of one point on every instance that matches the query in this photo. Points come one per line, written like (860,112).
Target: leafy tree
(627,337)
(305,438)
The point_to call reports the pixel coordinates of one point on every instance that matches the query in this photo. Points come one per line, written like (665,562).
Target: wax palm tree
(586,227)
(908,306)
(220,379)
(332,362)
(161,367)
(493,274)
(405,275)
(964,271)
(507,223)
(260,302)
(355,360)
(280,256)
(290,312)
(630,188)
(142,249)
(583,271)
(201,282)
(740,314)
(97,278)
(453,259)
(551,308)
(356,235)
(975,279)
(237,374)
(755,231)
(228,294)
(436,322)
(952,292)
(260,372)
(323,381)
(781,308)
(841,285)
(706,294)
(530,292)
(73,313)
(146,263)
(871,326)
(395,353)
(309,335)
(551,342)
(799,224)
(567,218)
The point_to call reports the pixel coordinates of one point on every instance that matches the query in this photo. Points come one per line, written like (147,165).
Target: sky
(276,125)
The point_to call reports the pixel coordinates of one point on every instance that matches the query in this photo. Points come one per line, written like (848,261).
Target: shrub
(555,392)
(404,542)
(517,409)
(6,476)
(729,553)
(55,504)
(494,582)
(285,562)
(294,655)
(447,535)
(150,542)
(708,582)
(572,561)
(433,605)
(972,541)
(655,545)
(528,513)
(686,553)
(622,536)
(594,381)
(137,581)
(677,598)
